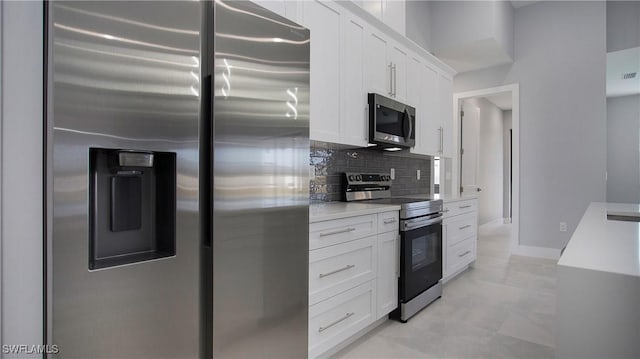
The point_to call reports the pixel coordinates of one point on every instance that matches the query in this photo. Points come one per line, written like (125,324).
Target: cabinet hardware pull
(462,207)
(322,275)
(464,227)
(346,316)
(444,211)
(337,232)
(391,78)
(464,254)
(395,81)
(389,221)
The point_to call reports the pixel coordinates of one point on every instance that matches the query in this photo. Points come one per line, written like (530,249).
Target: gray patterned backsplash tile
(331,160)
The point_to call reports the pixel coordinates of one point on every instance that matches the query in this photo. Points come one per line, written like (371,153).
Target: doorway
(476,169)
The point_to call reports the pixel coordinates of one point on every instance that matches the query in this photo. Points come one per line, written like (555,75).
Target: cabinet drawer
(461,254)
(455,208)
(337,318)
(328,233)
(335,269)
(461,227)
(388,221)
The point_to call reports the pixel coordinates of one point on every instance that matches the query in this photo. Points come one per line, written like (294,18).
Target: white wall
(418,22)
(472,34)
(623,25)
(457,23)
(21,175)
(506,164)
(560,61)
(490,160)
(623,146)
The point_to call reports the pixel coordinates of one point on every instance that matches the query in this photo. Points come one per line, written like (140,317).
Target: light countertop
(326,211)
(605,245)
(444,198)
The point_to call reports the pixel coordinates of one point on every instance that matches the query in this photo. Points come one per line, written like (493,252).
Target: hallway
(503,307)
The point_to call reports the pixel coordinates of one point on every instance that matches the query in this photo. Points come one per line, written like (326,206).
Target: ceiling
(502,100)
(620,63)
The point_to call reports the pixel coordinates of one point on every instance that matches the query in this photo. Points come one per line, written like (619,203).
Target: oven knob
(358,178)
(351,177)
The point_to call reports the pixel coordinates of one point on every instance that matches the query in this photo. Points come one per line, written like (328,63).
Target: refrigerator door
(260,70)
(123,108)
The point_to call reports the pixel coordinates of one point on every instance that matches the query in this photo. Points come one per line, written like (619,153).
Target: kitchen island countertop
(605,245)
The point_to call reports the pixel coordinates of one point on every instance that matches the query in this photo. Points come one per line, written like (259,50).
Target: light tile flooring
(503,307)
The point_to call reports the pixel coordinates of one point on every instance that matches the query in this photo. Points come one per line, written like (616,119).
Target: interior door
(470,153)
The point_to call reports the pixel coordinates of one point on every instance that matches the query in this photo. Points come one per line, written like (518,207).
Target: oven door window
(421,260)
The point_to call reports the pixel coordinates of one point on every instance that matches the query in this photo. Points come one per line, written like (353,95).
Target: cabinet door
(400,61)
(393,14)
(374,7)
(285,8)
(323,19)
(378,69)
(415,98)
(387,281)
(354,121)
(445,101)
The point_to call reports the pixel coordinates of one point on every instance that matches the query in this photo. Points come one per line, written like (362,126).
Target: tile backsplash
(332,160)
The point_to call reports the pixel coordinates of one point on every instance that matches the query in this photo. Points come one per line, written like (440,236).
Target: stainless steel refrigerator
(177,180)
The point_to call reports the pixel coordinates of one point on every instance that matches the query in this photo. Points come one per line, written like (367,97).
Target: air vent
(629,75)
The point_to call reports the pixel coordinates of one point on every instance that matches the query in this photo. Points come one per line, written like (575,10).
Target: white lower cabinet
(334,269)
(353,276)
(387,278)
(339,317)
(459,235)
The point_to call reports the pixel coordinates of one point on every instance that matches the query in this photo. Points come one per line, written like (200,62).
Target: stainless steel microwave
(391,123)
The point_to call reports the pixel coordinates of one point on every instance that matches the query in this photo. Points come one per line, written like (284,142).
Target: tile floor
(503,307)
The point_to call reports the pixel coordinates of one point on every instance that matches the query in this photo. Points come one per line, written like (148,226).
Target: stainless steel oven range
(420,277)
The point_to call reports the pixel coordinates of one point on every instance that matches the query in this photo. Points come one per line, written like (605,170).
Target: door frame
(515,148)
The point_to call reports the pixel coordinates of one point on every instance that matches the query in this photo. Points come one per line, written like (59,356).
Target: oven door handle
(414,223)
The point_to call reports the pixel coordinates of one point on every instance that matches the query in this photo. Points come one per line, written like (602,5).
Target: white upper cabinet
(390,12)
(351,57)
(285,8)
(445,105)
(399,60)
(378,69)
(354,116)
(323,20)
(386,66)
(394,15)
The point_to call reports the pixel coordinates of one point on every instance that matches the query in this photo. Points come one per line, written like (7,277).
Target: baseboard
(492,222)
(539,252)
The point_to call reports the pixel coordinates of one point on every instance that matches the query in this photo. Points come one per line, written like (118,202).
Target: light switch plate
(312,172)
(393,173)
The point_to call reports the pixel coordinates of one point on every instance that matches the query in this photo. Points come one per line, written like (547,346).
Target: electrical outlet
(418,174)
(392,173)
(563,226)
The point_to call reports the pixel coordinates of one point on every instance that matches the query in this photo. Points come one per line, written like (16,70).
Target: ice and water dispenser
(132,206)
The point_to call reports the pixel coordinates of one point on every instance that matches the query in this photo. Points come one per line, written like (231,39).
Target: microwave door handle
(407,127)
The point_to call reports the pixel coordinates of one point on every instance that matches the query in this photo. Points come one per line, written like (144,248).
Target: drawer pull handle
(464,254)
(389,221)
(463,207)
(337,232)
(346,316)
(464,227)
(322,275)
(444,211)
